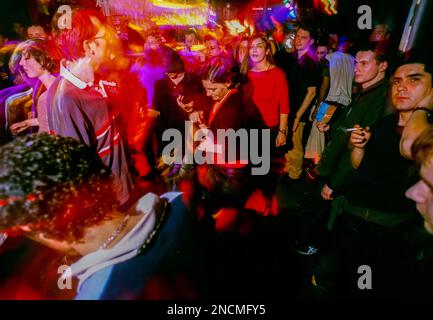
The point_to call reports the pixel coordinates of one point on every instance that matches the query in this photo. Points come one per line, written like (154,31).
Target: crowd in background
(340,117)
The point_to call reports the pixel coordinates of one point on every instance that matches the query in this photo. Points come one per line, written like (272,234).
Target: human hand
(360,137)
(187,107)
(323,127)
(327,193)
(18,127)
(281,140)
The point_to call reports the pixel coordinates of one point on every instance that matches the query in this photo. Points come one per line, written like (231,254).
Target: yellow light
(135,27)
(235,27)
(177,6)
(183,19)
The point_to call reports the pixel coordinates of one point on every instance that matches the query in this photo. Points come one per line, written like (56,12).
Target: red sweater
(270,93)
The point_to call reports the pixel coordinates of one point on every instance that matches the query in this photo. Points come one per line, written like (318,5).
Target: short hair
(43,51)
(422,148)
(380,52)
(311,30)
(70,40)
(416,56)
(56,185)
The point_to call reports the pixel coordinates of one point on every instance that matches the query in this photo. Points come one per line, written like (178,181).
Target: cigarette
(352,129)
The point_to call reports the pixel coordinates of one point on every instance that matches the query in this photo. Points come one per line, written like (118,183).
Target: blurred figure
(189,54)
(380,33)
(214,53)
(421,192)
(240,55)
(36,32)
(37,61)
(321,52)
(190,39)
(151,67)
(79,104)
(66,202)
(19,30)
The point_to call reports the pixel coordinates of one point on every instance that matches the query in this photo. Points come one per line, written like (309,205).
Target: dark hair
(422,148)
(221,71)
(380,51)
(56,185)
(43,51)
(416,56)
(311,30)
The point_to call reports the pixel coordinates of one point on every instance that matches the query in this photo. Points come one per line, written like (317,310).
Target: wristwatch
(284,131)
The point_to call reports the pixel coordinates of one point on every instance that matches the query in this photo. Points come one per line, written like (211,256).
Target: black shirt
(384,175)
(301,73)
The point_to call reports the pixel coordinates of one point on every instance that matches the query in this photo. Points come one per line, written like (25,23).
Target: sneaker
(307,251)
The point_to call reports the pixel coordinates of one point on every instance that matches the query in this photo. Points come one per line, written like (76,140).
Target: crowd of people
(89,166)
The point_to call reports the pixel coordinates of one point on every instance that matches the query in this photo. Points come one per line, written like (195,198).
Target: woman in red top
(269,91)
(269,87)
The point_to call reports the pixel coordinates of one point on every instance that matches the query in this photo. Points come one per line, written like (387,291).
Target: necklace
(116,233)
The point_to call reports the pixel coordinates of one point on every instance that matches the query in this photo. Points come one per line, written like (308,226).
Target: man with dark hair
(66,202)
(423,118)
(177,96)
(365,109)
(335,170)
(79,104)
(374,216)
(304,75)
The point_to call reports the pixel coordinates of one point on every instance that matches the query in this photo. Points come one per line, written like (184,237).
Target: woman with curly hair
(36,61)
(58,192)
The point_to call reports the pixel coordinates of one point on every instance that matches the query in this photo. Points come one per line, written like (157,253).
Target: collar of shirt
(68,75)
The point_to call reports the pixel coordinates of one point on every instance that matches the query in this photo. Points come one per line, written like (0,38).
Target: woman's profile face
(243,49)
(31,67)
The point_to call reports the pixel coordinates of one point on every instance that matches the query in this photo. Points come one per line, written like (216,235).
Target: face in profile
(104,46)
(367,68)
(422,194)
(31,67)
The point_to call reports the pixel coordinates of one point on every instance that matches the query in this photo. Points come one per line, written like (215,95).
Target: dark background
(392,12)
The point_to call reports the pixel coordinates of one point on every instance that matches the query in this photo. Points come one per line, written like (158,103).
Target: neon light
(327,6)
(235,28)
(176,5)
